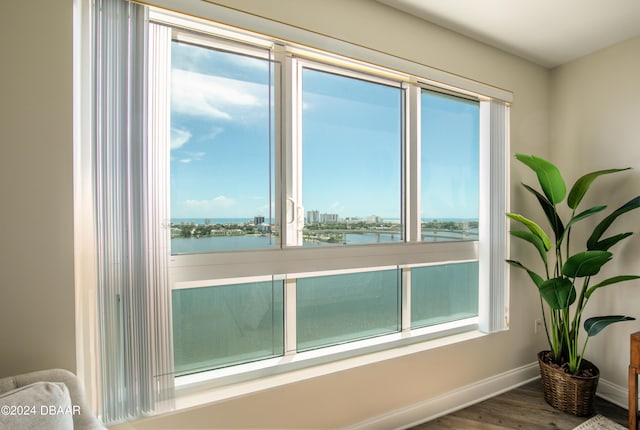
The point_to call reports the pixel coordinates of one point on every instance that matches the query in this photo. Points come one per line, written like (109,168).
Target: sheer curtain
(131,141)
(494,236)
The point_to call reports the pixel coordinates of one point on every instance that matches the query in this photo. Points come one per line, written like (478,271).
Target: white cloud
(197,94)
(194,58)
(224,201)
(179,137)
(249,63)
(191,156)
(336,207)
(214,133)
(217,203)
(263,210)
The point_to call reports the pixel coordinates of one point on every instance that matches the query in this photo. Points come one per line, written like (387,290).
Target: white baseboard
(452,401)
(468,395)
(614,393)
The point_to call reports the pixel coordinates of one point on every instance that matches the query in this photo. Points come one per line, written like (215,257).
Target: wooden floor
(521,408)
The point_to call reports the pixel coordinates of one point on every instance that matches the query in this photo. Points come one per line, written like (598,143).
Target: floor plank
(521,408)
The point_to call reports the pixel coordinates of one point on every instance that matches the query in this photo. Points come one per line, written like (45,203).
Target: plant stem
(571,347)
(584,347)
(544,320)
(580,306)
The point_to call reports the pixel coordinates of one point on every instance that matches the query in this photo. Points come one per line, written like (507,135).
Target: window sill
(222,384)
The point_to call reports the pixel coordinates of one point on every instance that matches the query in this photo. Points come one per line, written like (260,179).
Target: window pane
(221,151)
(351,160)
(450,133)
(443,293)
(224,325)
(341,308)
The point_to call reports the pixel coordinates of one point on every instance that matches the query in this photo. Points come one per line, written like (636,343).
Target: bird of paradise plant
(565,284)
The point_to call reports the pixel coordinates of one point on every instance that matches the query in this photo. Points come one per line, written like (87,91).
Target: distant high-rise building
(313,217)
(258,220)
(374,219)
(328,218)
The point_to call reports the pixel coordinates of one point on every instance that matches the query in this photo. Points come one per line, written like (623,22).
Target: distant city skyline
(252,218)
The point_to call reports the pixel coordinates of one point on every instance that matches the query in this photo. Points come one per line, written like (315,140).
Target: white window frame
(292,261)
(300,62)
(193,270)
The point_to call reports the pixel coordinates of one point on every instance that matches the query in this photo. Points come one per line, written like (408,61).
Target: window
(351,159)
(443,293)
(297,166)
(222,325)
(222,172)
(341,308)
(449,164)
(261,206)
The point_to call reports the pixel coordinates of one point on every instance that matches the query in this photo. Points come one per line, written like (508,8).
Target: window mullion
(412,163)
(406,299)
(278,137)
(290,317)
(291,201)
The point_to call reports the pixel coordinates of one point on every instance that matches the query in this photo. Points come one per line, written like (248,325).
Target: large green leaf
(594,241)
(532,239)
(594,325)
(549,177)
(533,228)
(607,243)
(559,293)
(582,185)
(586,263)
(610,281)
(550,211)
(537,279)
(585,214)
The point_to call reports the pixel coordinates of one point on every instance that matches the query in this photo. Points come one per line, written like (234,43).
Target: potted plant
(566,282)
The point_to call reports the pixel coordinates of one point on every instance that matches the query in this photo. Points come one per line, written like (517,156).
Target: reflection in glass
(342,308)
(222,167)
(225,325)
(450,133)
(443,293)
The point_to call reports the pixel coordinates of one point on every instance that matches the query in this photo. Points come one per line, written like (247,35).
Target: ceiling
(547,32)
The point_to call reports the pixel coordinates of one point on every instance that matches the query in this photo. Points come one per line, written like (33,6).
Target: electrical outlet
(537,326)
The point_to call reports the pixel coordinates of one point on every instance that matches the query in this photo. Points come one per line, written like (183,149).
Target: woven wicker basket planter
(569,393)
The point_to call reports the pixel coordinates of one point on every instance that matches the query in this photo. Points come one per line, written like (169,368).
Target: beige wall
(36,290)
(36,219)
(595,124)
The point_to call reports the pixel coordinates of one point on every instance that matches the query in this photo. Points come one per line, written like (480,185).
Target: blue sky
(351,143)
(351,146)
(219,134)
(449,157)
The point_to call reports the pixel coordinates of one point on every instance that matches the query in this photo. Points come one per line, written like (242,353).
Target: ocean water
(214,220)
(250,219)
(181,245)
